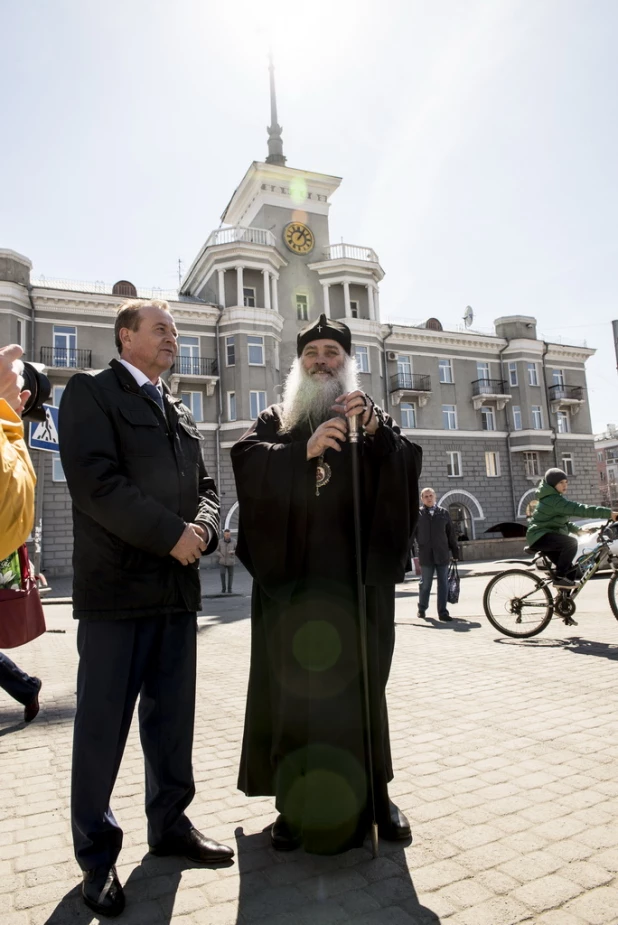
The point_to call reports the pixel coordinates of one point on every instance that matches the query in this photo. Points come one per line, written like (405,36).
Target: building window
(445,371)
(257,403)
(482,371)
(361,355)
(512,373)
(453,464)
(404,367)
(57,470)
(564,422)
(230,351)
(602,474)
(354,309)
(558,377)
(533,376)
(20,333)
(567,464)
(600,457)
(488,418)
(57,395)
(449,417)
(516,417)
(531,465)
(492,464)
(302,308)
(188,359)
(193,401)
(231,406)
(248,297)
(408,414)
(255,347)
(65,346)
(537,417)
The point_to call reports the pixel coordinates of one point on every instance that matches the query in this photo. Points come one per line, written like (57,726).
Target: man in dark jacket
(144,511)
(437,544)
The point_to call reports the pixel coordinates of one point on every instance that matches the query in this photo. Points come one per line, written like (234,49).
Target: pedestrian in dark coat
(144,511)
(437,545)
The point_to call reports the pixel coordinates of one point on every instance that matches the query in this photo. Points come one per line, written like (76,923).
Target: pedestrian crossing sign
(44,434)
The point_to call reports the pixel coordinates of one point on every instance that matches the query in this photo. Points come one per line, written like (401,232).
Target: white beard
(306,398)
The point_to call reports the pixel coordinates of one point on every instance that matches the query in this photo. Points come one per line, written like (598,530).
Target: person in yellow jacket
(17,481)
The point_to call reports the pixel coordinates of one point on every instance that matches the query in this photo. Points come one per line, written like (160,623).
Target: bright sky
(477,142)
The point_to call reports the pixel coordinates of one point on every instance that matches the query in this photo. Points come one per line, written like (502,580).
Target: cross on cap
(324,328)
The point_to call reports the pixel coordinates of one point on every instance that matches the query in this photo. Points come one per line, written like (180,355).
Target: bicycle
(520,604)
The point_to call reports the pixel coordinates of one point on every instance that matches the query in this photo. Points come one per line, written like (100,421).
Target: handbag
(21,611)
(453,581)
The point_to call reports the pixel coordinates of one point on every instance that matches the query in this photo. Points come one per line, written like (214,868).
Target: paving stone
(547,892)
(596,907)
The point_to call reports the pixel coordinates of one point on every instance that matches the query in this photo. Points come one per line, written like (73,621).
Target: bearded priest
(304,736)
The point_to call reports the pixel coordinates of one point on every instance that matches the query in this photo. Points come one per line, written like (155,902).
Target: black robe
(304,737)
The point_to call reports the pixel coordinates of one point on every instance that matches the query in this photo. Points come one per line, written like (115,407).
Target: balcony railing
(351,252)
(66,357)
(101,288)
(195,366)
(566,393)
(238,234)
(410,382)
(489,387)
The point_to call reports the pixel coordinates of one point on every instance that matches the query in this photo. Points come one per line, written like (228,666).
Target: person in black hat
(304,740)
(550,527)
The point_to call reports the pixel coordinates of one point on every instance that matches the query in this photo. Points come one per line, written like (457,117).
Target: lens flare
(298,191)
(317,645)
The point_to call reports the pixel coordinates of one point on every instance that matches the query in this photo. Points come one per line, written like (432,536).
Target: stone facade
(491,412)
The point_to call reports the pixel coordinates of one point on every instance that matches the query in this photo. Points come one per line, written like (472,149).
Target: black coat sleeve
(208,507)
(452,537)
(393,471)
(91,461)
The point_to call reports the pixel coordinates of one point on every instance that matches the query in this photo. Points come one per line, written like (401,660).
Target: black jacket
(435,535)
(136,479)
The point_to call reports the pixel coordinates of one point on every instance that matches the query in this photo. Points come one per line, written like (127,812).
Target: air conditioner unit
(391,355)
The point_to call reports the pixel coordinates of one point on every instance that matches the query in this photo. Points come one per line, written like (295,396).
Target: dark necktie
(153,392)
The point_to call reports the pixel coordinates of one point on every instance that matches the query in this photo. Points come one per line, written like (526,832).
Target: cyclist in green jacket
(549,527)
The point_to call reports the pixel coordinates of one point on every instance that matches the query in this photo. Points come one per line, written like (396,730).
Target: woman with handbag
(17,481)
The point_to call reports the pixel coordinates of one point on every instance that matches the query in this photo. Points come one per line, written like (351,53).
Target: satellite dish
(468,316)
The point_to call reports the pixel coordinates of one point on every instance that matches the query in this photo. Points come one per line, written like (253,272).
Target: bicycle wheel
(612,592)
(518,604)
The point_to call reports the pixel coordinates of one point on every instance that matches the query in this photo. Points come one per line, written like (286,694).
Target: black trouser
(153,657)
(229,569)
(21,686)
(560,549)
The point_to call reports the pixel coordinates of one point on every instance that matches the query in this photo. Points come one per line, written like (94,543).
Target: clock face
(298,238)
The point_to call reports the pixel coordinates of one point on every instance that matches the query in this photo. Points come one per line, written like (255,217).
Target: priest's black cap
(324,329)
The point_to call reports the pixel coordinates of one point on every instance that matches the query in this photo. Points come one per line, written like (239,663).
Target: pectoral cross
(319,329)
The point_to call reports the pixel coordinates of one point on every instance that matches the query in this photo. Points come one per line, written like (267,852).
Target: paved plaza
(505,756)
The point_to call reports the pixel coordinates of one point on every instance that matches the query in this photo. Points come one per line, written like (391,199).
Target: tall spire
(275,142)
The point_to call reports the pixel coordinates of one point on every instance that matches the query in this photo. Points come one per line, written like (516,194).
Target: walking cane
(354,433)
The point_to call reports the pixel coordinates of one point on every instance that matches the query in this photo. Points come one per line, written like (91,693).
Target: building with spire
(492,411)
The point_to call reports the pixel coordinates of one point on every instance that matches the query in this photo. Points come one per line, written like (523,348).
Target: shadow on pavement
(573,644)
(457,624)
(150,892)
(307,888)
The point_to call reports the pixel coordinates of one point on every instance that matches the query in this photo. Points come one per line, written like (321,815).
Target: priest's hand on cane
(355,403)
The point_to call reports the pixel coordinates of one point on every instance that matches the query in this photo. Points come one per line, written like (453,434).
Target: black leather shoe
(101,891)
(32,707)
(445,618)
(420,613)
(396,827)
(283,836)
(194,847)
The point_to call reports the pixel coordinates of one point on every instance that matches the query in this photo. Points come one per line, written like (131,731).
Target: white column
(221,276)
(266,275)
(370,301)
(326,287)
(239,287)
(346,299)
(275,295)
(376,303)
